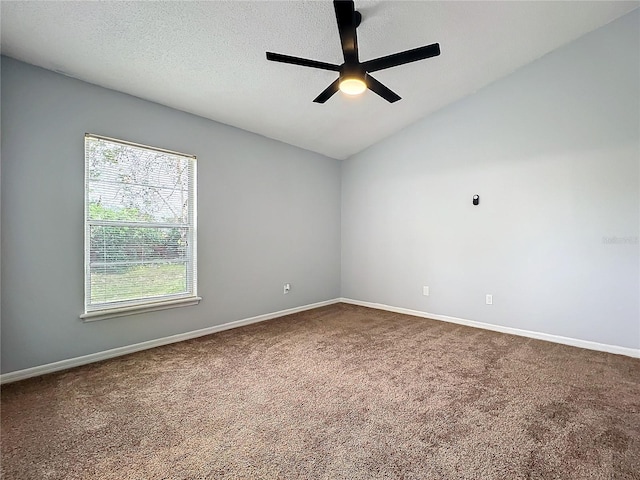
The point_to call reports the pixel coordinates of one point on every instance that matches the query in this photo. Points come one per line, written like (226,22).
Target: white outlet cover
(489,300)
(425,291)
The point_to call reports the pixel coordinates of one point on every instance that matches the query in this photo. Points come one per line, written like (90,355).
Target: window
(140,228)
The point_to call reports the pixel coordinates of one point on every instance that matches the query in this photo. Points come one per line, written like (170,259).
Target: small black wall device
(476,199)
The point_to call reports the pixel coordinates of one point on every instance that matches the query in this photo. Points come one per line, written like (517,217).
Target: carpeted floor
(341,392)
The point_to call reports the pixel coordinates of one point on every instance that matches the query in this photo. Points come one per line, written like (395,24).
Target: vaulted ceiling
(208,58)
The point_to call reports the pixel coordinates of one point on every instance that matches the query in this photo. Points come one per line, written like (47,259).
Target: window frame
(148,304)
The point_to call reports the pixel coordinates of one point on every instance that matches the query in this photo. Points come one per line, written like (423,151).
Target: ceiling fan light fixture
(352,86)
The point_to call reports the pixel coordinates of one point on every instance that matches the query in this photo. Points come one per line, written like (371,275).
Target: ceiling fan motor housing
(351,71)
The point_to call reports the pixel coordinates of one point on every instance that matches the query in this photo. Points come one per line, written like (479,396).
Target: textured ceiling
(208,58)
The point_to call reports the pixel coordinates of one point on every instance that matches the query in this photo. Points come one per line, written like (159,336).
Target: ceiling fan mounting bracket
(357,18)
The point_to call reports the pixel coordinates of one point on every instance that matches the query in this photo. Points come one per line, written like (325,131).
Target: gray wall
(268,213)
(553,152)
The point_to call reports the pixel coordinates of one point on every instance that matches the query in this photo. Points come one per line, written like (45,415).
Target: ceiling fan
(354,75)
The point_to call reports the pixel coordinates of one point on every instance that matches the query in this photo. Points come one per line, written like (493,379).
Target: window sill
(135,309)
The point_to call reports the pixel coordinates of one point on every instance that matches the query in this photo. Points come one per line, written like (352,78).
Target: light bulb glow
(352,86)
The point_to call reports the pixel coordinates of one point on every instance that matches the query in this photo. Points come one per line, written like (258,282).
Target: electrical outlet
(489,299)
(287,288)
(425,291)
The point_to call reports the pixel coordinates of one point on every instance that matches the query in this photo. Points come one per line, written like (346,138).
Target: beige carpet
(341,392)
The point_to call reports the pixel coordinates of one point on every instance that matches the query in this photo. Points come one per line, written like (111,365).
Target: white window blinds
(140,219)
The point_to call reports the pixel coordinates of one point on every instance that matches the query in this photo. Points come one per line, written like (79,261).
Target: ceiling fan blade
(277,57)
(401,58)
(328,92)
(346,17)
(376,87)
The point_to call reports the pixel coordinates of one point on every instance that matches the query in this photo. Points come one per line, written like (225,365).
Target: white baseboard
(574,342)
(117,352)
